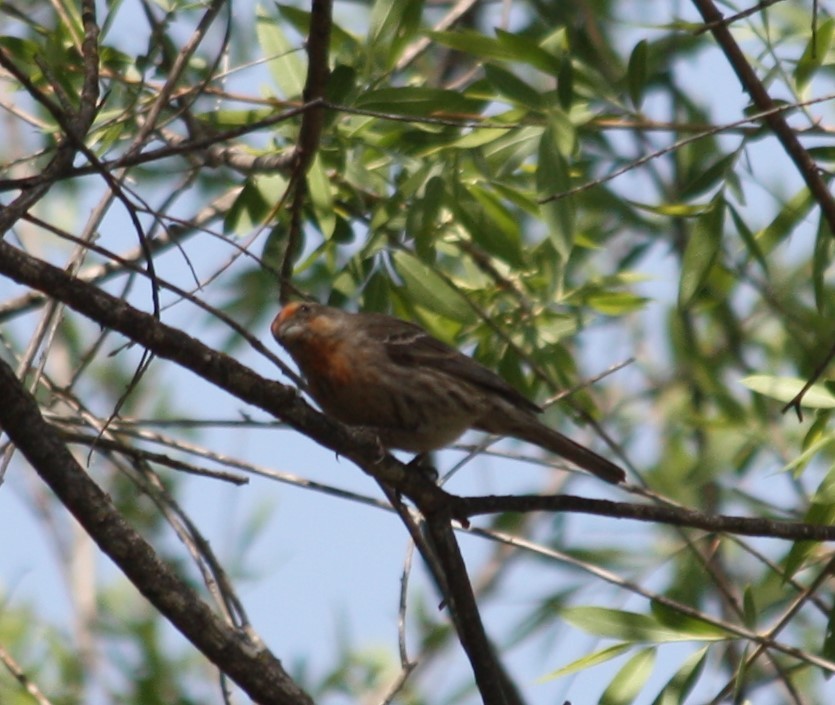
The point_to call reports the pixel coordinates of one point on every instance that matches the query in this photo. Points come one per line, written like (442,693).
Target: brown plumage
(415,392)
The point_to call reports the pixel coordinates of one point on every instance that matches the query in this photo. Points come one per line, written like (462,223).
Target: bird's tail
(531,430)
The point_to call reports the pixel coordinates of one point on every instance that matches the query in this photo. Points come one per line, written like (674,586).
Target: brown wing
(409,345)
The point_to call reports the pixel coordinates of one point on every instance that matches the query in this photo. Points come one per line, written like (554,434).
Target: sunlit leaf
(633,627)
(285,63)
(677,689)
(784,389)
(821,511)
(815,54)
(588,661)
(616,303)
(630,680)
(792,214)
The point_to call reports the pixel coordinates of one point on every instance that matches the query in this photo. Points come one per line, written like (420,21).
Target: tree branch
(250,665)
(775,120)
(675,516)
(221,370)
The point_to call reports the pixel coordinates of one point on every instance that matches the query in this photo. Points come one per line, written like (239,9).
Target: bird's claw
(423,465)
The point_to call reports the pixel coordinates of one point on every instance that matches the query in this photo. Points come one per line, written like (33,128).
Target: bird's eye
(303,308)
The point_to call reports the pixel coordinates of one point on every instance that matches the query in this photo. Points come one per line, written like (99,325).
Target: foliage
(558,188)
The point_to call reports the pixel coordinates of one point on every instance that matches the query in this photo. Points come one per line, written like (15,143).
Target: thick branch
(493,683)
(251,666)
(221,370)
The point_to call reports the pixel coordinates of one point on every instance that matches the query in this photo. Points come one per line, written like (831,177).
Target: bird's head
(303,320)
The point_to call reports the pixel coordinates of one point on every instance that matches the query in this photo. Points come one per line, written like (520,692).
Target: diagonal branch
(494,685)
(221,370)
(775,120)
(249,664)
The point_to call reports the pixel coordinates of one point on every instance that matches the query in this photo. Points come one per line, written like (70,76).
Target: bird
(415,392)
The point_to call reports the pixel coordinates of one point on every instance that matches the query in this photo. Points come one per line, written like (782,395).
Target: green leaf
(300,20)
(792,214)
(821,511)
(527,51)
(393,24)
(680,685)
(821,260)
(670,617)
(565,83)
(709,177)
(254,203)
(507,153)
(636,73)
(810,450)
(828,649)
(552,179)
(422,217)
(284,63)
(513,88)
(616,303)
(500,232)
(429,290)
(748,238)
(814,55)
(784,389)
(588,661)
(749,608)
(630,680)
(222,119)
(633,627)
(473,43)
(418,100)
(478,137)
(701,252)
(674,210)
(321,196)
(822,514)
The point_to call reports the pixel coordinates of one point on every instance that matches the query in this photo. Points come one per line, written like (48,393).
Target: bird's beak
(282,318)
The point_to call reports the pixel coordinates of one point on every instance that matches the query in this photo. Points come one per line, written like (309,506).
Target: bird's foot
(422,463)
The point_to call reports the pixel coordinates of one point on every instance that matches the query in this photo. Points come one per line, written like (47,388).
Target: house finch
(415,392)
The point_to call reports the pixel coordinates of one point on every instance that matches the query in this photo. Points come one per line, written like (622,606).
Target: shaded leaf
(821,259)
(636,73)
(553,179)
(828,648)
(321,196)
(512,87)
(429,290)
(417,100)
(701,252)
